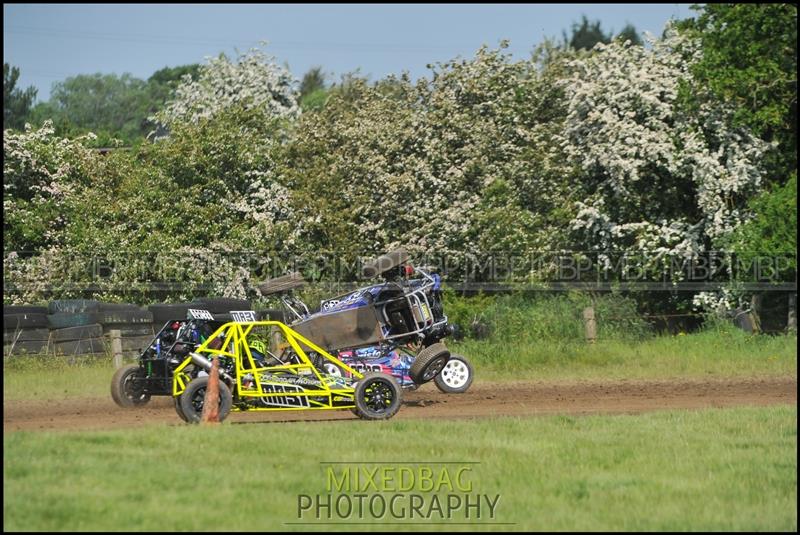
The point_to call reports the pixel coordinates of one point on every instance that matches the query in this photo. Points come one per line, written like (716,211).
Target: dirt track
(527,398)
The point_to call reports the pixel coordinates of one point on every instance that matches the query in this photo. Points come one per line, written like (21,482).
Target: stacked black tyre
(134,323)
(25,330)
(78,326)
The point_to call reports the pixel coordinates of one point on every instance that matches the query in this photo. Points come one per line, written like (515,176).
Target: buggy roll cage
(417,300)
(235,347)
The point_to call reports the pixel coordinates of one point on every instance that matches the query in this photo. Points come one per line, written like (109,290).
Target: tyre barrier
(80,326)
(73,305)
(132,329)
(135,344)
(220,305)
(25,335)
(62,320)
(86,346)
(77,333)
(27,347)
(23,341)
(25,320)
(162,313)
(24,309)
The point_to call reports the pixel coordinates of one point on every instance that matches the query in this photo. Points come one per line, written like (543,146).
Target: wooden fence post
(755,312)
(116,347)
(590,324)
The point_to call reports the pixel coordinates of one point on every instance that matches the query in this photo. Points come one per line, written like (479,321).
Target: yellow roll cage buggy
(290,386)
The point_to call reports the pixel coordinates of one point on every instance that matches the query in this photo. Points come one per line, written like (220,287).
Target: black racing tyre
(126,316)
(162,313)
(24,309)
(428,363)
(25,347)
(384,263)
(26,335)
(24,320)
(456,376)
(136,344)
(87,346)
(378,396)
(131,329)
(178,409)
(73,305)
(119,306)
(126,387)
(64,320)
(193,397)
(77,333)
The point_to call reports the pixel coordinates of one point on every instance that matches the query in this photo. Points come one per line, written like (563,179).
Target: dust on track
(483,400)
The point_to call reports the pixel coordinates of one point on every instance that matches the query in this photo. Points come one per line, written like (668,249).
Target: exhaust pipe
(204,363)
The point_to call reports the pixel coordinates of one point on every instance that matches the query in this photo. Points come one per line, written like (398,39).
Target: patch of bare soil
(483,400)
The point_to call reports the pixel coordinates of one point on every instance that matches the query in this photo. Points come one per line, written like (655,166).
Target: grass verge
(716,469)
(706,353)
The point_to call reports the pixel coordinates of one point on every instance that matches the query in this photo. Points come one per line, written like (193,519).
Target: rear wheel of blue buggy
(428,363)
(378,396)
(456,376)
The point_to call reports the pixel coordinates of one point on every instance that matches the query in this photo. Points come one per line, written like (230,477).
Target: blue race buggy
(395,326)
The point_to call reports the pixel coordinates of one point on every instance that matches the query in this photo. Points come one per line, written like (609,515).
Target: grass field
(707,353)
(711,352)
(717,469)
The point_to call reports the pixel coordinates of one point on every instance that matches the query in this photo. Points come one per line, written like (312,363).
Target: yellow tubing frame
(235,338)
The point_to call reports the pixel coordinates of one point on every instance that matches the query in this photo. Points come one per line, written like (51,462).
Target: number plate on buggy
(243,315)
(198,314)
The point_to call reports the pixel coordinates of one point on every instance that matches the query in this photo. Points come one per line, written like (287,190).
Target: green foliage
(750,60)
(163,83)
(629,33)
(114,108)
(105,103)
(544,318)
(312,81)
(586,34)
(170,77)
(16,102)
(315,100)
(473,141)
(773,230)
(585,150)
(42,175)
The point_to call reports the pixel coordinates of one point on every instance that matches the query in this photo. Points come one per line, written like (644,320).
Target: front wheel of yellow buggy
(378,396)
(178,409)
(192,399)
